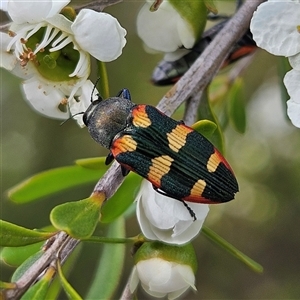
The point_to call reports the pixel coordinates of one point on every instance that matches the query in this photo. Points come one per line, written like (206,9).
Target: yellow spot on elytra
(141,119)
(213,162)
(125,144)
(198,187)
(160,166)
(177,137)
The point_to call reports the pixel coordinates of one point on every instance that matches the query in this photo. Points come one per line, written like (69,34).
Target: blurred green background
(263,221)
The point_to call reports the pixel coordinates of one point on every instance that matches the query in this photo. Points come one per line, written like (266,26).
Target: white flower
(165,219)
(173,31)
(160,278)
(52,53)
(276,28)
(291,81)
(164,270)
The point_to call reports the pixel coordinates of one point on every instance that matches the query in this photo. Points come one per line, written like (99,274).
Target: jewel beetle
(169,72)
(178,161)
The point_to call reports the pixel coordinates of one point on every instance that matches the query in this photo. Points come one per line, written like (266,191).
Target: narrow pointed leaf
(21,270)
(205,113)
(55,287)
(96,163)
(78,218)
(39,290)
(70,291)
(53,181)
(15,256)
(105,273)
(253,265)
(14,235)
(236,105)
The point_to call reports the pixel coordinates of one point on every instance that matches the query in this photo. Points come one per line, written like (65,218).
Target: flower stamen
(61,45)
(50,34)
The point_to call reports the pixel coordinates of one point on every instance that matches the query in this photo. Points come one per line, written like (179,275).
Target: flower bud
(164,270)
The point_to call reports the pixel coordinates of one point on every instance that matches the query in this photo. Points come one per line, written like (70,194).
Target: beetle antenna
(71,117)
(95,85)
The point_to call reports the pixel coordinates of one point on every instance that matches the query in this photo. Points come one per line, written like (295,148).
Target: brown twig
(60,243)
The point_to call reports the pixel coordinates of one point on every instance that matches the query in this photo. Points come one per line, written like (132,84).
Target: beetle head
(104,119)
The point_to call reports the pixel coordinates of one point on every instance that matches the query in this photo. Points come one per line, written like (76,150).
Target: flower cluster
(51,51)
(275,27)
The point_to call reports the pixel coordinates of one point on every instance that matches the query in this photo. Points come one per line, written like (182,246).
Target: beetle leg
(109,158)
(125,94)
(124,171)
(193,215)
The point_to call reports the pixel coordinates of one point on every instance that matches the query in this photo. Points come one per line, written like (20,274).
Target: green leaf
(15,256)
(210,5)
(122,199)
(53,181)
(21,270)
(70,291)
(39,290)
(253,265)
(69,264)
(95,163)
(14,235)
(79,218)
(205,113)
(205,127)
(194,13)
(112,254)
(236,105)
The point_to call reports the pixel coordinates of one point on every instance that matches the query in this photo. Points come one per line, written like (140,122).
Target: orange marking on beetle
(196,192)
(215,159)
(161,166)
(198,187)
(213,162)
(140,117)
(123,144)
(177,137)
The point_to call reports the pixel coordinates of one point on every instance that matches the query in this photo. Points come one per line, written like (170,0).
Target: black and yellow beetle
(178,161)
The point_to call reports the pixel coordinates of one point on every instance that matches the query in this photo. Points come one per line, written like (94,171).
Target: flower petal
(185,33)
(134,280)
(83,101)
(158,29)
(100,34)
(274,27)
(291,81)
(7,60)
(3,5)
(295,61)
(293,111)
(44,98)
(166,219)
(34,11)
